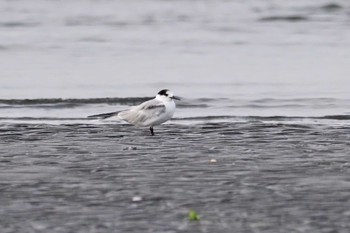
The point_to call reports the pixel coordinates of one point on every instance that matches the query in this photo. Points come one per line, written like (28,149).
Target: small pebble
(213,161)
(136,198)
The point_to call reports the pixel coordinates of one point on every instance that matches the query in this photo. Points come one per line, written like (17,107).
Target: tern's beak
(176,98)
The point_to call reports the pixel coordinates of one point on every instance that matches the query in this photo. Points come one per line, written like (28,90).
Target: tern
(148,114)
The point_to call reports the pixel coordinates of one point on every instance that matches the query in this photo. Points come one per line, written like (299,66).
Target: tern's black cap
(163,92)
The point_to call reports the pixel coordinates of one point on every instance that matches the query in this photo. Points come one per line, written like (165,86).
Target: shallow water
(83,178)
(221,49)
(259,58)
(265,88)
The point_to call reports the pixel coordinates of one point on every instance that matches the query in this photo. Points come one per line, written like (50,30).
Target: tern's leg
(152,133)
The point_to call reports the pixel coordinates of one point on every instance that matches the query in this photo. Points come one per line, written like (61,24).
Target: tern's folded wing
(151,108)
(144,114)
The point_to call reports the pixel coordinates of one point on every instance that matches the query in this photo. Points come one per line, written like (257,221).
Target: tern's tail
(104,115)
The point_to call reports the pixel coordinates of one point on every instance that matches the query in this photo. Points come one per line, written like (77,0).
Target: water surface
(259,143)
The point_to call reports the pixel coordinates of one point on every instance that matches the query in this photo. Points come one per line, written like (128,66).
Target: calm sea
(225,58)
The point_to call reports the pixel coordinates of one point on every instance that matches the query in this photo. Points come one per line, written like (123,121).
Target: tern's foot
(152,132)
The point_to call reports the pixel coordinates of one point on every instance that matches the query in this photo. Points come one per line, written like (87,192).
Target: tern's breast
(163,116)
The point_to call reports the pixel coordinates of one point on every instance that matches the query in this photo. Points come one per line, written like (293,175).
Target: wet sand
(268,177)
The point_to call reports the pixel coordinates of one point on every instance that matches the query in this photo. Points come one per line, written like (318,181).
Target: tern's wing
(104,115)
(144,114)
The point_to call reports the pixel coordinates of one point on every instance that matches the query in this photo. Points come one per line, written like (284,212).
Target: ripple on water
(81,177)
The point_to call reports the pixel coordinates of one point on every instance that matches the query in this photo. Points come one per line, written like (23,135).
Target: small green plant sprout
(193,216)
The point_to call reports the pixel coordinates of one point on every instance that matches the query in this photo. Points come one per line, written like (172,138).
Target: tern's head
(166,95)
